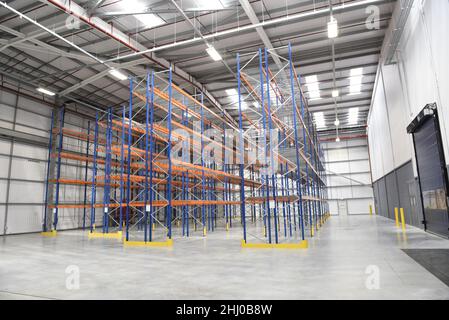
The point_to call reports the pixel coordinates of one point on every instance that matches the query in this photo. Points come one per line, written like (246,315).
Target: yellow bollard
(396,216)
(370,210)
(403,219)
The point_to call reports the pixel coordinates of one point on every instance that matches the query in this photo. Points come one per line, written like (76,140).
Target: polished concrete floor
(350,258)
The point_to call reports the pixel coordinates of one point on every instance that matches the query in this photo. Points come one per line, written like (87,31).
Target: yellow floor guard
(101,235)
(302,245)
(168,243)
(52,233)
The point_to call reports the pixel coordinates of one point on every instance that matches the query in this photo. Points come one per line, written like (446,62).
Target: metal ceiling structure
(70,46)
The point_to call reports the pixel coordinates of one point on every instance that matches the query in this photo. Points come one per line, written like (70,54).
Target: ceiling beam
(77,11)
(260,31)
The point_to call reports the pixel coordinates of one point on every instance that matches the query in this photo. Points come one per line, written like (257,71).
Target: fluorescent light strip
(118,75)
(231,92)
(150,20)
(207,5)
(45,91)
(213,53)
(332,28)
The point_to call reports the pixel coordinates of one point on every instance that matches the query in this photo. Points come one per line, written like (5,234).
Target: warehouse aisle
(343,262)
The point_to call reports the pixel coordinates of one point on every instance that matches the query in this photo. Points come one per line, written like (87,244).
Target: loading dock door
(431,170)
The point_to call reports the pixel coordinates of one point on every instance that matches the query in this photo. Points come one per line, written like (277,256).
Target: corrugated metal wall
(23,163)
(348,177)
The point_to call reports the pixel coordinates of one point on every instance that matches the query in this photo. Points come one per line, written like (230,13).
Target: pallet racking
(165,165)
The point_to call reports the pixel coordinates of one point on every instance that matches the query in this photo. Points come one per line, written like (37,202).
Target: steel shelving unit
(158,168)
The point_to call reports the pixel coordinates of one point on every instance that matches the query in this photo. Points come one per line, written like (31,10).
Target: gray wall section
(392,193)
(382,200)
(399,189)
(376,197)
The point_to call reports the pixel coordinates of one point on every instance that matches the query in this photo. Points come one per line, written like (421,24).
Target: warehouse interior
(224,149)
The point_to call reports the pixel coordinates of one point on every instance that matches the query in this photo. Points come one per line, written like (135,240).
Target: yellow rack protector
(100,235)
(302,245)
(168,243)
(52,233)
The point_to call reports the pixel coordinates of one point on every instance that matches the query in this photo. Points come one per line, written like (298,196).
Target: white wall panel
(357,207)
(29,151)
(337,154)
(26,192)
(362,192)
(359,166)
(2,218)
(6,112)
(420,77)
(34,106)
(358,178)
(383,133)
(30,130)
(377,170)
(358,153)
(398,116)
(7,98)
(333,207)
(3,186)
(4,165)
(32,119)
(338,167)
(23,219)
(437,23)
(27,170)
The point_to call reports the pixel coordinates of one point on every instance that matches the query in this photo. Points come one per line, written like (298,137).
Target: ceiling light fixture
(332,28)
(208,5)
(231,92)
(335,93)
(150,20)
(45,91)
(118,75)
(213,53)
(337,122)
